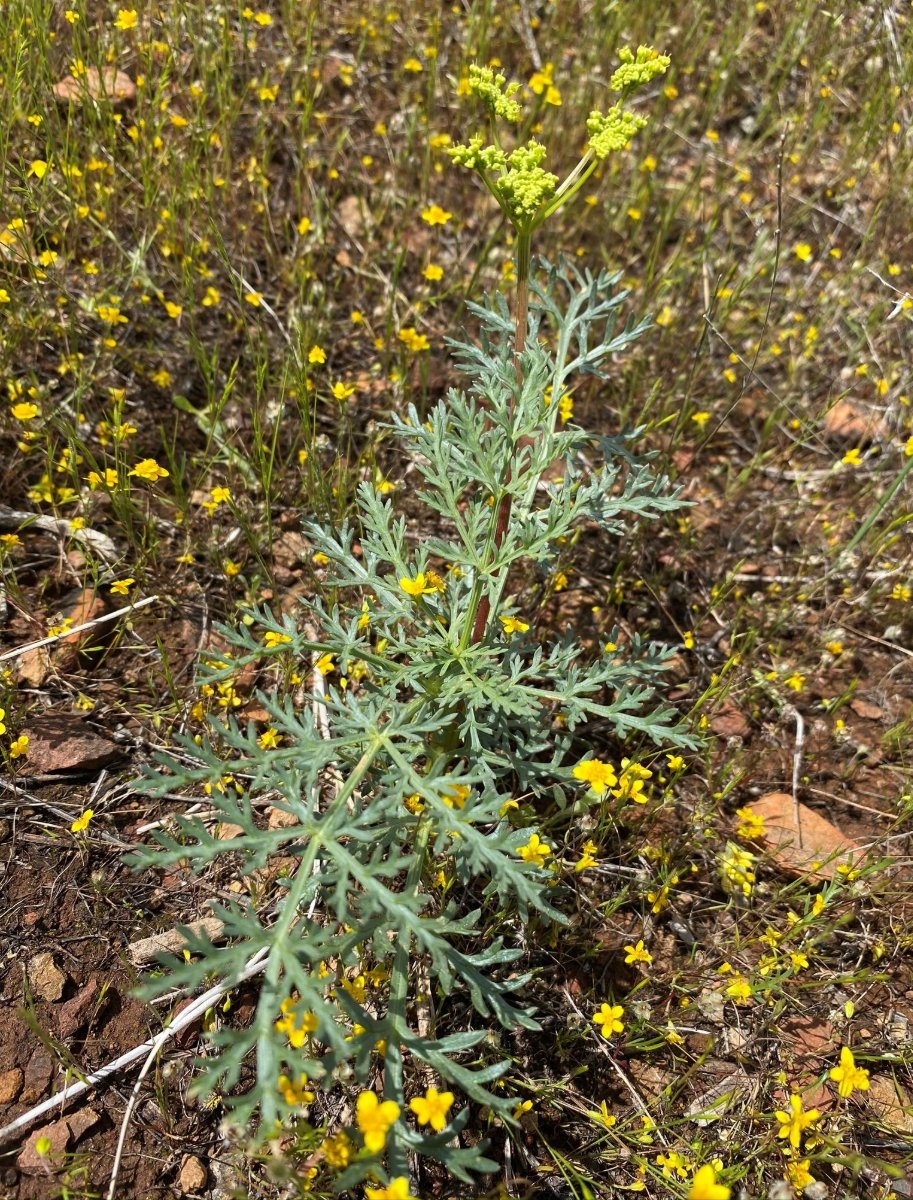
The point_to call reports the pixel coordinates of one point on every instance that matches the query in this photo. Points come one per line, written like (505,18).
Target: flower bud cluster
(613,130)
(497,98)
(638,68)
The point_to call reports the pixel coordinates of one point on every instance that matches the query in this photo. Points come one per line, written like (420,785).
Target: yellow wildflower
(412,340)
(435,215)
(602,1116)
(535,851)
(272,639)
(848,1076)
(599,775)
(794,1123)
(609,1018)
(338,1151)
(588,857)
(396,1189)
(422,585)
(638,953)
(295,1029)
(19,746)
(705,1187)
(149,469)
(375,1118)
(295,1093)
(513,625)
(432,1108)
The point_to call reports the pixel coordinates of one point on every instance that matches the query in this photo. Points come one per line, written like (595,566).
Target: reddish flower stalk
(522,325)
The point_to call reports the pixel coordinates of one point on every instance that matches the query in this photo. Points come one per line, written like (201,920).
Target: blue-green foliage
(434,733)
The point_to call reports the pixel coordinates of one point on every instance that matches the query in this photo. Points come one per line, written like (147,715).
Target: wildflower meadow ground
(455,592)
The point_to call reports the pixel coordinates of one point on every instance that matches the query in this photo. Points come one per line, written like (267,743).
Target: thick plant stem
(522,317)
(522,327)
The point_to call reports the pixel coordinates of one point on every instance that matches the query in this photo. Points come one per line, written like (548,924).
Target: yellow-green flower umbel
(518,180)
(491,90)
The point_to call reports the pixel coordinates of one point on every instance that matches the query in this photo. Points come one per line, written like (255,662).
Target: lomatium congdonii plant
(438,723)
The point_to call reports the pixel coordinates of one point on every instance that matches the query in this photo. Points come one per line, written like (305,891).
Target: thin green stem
(304,877)
(873,516)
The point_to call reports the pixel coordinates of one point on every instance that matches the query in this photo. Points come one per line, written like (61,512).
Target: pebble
(194,1176)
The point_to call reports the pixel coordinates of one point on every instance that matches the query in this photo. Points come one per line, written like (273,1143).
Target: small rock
(699,1043)
(353,216)
(718,1099)
(81,1122)
(108,82)
(171,941)
(72,1015)
(890,1104)
(281,818)
(64,742)
(730,721)
(856,423)
(38,1072)
(88,606)
(800,840)
(33,666)
(816,1190)
(711,1005)
(10,1085)
(867,710)
(227,831)
(227,1179)
(193,1175)
(31,1162)
(45,978)
(809,1036)
(61,1134)
(187,1035)
(897,1028)
(734,1039)
(290,548)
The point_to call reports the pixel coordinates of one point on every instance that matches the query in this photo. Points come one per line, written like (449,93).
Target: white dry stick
(184,1018)
(256,965)
(321,718)
(198,1007)
(57,637)
(526,31)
